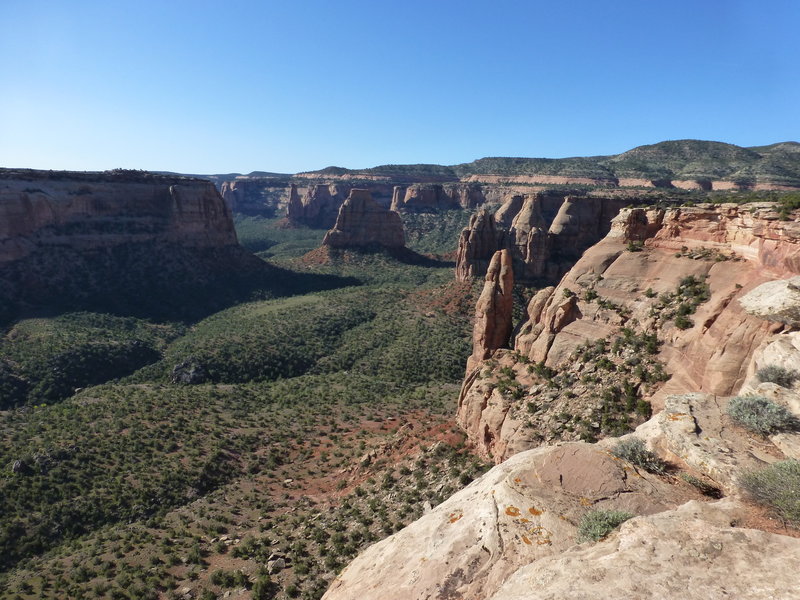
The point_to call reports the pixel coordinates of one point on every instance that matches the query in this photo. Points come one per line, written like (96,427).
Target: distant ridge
(690,163)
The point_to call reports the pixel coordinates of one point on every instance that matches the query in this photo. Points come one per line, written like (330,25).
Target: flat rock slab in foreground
(519,513)
(687,554)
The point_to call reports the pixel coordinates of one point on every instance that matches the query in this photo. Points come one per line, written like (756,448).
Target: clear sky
(240,85)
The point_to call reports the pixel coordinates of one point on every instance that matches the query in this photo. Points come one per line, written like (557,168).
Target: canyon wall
(40,209)
(545,232)
(120,240)
(674,275)
(435,197)
(263,196)
(317,205)
(607,330)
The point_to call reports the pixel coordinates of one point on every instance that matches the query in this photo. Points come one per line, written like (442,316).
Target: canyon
(674,167)
(97,239)
(512,534)
(298,401)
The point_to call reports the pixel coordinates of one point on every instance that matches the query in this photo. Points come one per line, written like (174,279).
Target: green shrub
(778,487)
(776,374)
(597,524)
(760,415)
(633,450)
(704,488)
(635,246)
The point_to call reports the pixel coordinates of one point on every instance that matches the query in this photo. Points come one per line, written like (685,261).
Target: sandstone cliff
(425,197)
(256,195)
(318,207)
(545,233)
(730,273)
(362,222)
(668,281)
(493,325)
(119,240)
(95,210)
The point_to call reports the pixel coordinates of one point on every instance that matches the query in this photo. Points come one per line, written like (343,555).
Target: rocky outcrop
(435,197)
(126,241)
(642,280)
(93,210)
(319,206)
(512,534)
(492,328)
(775,301)
(734,248)
(261,196)
(697,541)
(362,222)
(476,246)
(545,233)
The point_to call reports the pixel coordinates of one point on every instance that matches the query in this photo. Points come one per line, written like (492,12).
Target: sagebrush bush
(597,524)
(776,374)
(776,486)
(759,414)
(633,450)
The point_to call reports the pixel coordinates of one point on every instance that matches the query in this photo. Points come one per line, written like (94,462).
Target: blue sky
(241,85)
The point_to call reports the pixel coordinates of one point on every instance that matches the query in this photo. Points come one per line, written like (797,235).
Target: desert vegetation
(322,425)
(597,524)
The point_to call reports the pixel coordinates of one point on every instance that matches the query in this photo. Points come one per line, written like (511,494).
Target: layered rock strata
(435,197)
(676,276)
(256,195)
(513,533)
(40,209)
(318,207)
(492,328)
(545,233)
(362,222)
(118,240)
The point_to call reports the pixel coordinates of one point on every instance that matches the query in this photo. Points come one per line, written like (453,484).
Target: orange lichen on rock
(512,511)
(534,511)
(526,540)
(455,516)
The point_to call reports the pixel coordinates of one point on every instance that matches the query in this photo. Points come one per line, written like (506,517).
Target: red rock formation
(733,248)
(493,311)
(422,197)
(319,206)
(546,233)
(476,246)
(362,222)
(39,209)
(95,241)
(256,195)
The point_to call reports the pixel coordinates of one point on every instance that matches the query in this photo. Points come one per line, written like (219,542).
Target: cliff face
(256,195)
(362,222)
(81,240)
(674,275)
(434,197)
(38,211)
(545,233)
(317,205)
(512,534)
(493,311)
